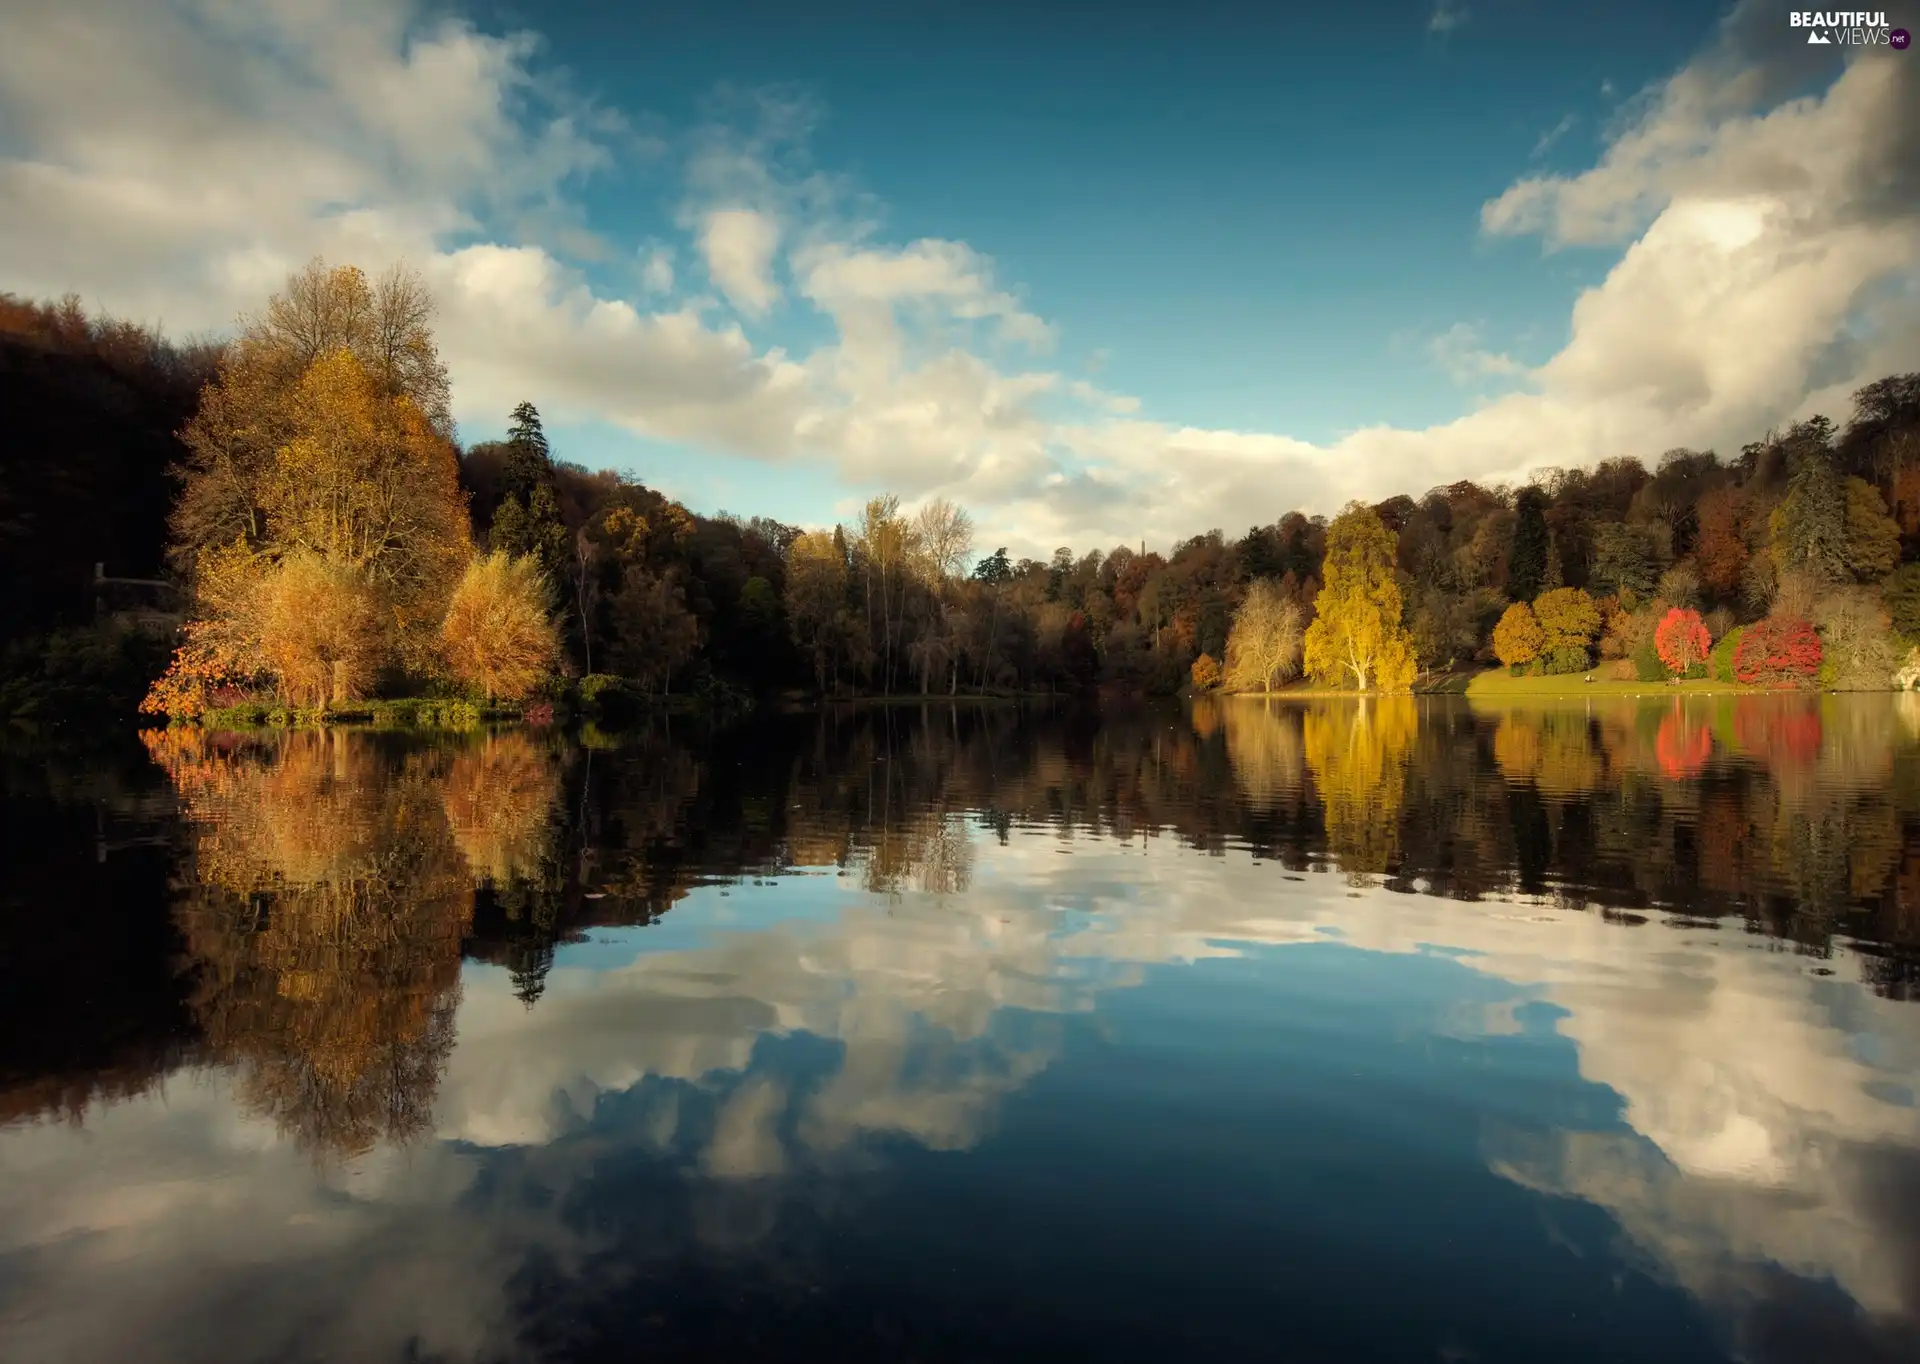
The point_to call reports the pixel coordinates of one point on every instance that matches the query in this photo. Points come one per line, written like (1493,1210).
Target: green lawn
(1496,683)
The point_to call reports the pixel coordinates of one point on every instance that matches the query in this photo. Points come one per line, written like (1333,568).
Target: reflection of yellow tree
(1263,744)
(1358,755)
(1552,749)
(500,793)
(323,920)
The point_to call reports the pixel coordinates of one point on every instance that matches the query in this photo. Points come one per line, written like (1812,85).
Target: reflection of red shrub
(1682,747)
(1777,653)
(1777,731)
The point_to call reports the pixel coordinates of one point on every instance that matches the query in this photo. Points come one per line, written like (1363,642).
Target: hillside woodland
(305,525)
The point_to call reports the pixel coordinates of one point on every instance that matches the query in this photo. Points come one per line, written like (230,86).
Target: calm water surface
(1397,1031)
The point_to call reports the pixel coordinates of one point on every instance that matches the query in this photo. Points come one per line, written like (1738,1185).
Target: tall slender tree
(1528,553)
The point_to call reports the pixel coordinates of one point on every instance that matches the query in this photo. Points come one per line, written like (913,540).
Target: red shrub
(1777,653)
(1681,640)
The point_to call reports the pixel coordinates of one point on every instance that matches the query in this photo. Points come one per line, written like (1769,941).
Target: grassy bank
(1494,684)
(1498,683)
(426,713)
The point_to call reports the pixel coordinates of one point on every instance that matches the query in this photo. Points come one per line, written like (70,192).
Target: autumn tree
(1720,547)
(498,634)
(1855,652)
(1681,641)
(1778,651)
(1872,547)
(319,465)
(944,532)
(1263,646)
(816,601)
(1206,672)
(244,417)
(1569,621)
(1901,595)
(1518,638)
(1357,634)
(318,628)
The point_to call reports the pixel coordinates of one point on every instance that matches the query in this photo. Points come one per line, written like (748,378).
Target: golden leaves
(321,507)
(497,634)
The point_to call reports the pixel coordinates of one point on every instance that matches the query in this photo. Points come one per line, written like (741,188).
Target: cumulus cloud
(1458,351)
(739,244)
(173,162)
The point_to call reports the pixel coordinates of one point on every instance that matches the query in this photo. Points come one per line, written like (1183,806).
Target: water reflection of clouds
(1743,1074)
(182,1229)
(1761,1131)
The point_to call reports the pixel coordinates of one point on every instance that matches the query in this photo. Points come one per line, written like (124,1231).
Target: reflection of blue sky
(1144,1084)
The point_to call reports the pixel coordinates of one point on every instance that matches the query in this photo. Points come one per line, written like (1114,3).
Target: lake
(1395,1030)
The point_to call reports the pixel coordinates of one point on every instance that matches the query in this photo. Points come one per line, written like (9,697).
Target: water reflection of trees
(1798,817)
(1357,752)
(326,886)
(327,889)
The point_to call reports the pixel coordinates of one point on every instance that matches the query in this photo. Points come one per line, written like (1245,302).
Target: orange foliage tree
(498,635)
(321,515)
(1681,640)
(1720,548)
(1518,637)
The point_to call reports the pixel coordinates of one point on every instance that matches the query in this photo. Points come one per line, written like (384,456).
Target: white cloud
(738,244)
(1446,17)
(1458,351)
(1552,135)
(656,269)
(173,162)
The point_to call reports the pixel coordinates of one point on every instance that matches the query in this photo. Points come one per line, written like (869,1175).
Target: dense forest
(290,514)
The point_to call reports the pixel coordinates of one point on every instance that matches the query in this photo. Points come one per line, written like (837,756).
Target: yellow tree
(324,439)
(243,418)
(318,629)
(498,634)
(1263,647)
(1358,636)
(366,483)
(1568,617)
(1518,637)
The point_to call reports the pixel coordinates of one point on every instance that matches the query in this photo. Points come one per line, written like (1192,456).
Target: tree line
(334,541)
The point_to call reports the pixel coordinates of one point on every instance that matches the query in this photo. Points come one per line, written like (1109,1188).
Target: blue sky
(1098,272)
(1255,217)
(1248,212)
